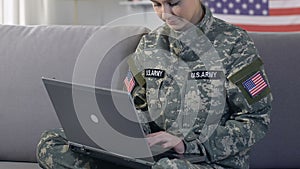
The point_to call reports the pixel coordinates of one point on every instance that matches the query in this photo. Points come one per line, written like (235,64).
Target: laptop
(103,123)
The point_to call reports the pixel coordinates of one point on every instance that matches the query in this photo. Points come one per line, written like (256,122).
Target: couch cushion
(18,165)
(280,148)
(29,52)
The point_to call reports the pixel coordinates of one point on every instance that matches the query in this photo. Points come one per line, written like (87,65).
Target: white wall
(87,12)
(97,12)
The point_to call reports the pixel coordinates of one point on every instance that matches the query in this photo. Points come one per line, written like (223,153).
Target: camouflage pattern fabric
(53,152)
(213,114)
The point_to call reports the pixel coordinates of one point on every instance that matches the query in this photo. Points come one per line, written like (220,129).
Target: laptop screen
(98,117)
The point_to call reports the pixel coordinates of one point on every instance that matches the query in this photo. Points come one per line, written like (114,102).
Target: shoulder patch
(255,84)
(129,82)
(135,72)
(252,82)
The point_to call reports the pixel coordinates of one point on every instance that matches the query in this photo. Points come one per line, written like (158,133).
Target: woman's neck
(199,14)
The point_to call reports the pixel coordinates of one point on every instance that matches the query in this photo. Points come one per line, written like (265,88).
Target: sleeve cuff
(191,147)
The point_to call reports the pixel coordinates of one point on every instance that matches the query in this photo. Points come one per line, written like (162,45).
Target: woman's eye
(156,4)
(174,3)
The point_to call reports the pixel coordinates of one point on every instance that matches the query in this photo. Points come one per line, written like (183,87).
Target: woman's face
(178,13)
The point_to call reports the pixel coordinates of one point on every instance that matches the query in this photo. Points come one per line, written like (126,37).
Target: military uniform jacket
(201,85)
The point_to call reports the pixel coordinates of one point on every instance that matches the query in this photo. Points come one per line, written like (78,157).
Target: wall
(97,12)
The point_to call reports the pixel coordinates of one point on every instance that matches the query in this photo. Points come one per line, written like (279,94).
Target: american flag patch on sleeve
(255,84)
(129,82)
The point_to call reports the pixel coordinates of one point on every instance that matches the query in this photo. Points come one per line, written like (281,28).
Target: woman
(195,88)
(214,66)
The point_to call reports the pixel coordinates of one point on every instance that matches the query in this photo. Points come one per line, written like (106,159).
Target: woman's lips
(172,21)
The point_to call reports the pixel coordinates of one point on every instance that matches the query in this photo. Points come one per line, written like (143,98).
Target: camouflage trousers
(53,153)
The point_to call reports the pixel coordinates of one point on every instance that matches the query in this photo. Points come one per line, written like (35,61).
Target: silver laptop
(103,123)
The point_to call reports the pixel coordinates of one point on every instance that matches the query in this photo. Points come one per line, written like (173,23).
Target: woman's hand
(166,140)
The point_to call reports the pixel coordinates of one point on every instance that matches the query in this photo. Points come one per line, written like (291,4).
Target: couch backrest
(29,52)
(281,55)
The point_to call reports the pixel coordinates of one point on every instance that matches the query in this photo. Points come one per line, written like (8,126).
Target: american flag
(255,84)
(259,15)
(129,82)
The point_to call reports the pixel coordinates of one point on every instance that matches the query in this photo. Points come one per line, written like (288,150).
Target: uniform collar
(182,41)
(206,22)
(178,40)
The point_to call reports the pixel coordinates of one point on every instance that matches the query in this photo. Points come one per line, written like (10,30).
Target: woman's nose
(166,12)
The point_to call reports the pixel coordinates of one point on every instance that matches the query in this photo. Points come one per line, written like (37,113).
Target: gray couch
(29,52)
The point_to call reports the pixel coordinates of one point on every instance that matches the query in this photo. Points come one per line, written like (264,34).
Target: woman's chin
(176,27)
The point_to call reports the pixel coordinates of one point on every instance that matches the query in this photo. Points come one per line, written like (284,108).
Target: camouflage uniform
(191,85)
(54,152)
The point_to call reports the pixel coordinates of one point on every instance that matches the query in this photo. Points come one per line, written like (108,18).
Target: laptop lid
(104,121)
(99,118)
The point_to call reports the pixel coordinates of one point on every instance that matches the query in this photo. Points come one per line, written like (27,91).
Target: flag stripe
(261,20)
(284,11)
(284,4)
(259,82)
(258,89)
(129,85)
(266,28)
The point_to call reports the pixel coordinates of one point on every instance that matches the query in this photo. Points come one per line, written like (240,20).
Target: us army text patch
(195,75)
(156,73)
